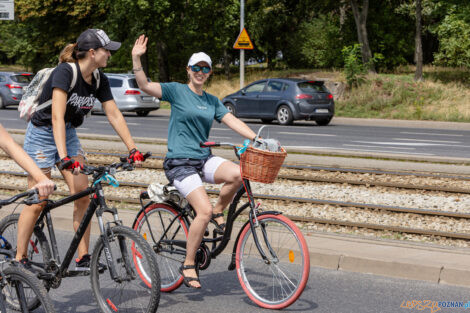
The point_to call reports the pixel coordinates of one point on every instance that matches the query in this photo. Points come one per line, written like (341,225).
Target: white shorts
(189,183)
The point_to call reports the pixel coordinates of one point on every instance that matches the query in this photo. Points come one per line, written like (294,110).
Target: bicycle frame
(224,239)
(98,206)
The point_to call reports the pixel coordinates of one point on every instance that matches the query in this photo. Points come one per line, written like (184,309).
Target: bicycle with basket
(270,254)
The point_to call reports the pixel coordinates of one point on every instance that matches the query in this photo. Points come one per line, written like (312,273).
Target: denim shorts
(40,145)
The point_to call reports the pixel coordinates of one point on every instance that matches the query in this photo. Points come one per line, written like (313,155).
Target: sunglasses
(197,68)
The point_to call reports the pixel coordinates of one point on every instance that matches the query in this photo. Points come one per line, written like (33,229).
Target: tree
(360,17)
(418,44)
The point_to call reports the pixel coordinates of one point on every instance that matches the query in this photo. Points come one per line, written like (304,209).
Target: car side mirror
(243,92)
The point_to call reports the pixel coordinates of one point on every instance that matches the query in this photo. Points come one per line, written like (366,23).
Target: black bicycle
(20,289)
(269,253)
(119,256)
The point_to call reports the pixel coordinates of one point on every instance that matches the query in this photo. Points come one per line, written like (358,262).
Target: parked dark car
(284,99)
(11,87)
(128,96)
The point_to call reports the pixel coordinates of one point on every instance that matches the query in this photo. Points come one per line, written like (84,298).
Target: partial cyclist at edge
(186,164)
(44,185)
(51,137)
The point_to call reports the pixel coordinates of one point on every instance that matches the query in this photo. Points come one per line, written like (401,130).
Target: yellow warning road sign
(243,41)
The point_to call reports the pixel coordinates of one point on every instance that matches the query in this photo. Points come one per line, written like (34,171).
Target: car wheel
(142,113)
(2,105)
(284,115)
(266,120)
(324,121)
(230,108)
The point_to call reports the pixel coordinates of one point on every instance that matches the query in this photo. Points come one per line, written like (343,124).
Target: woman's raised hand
(140,46)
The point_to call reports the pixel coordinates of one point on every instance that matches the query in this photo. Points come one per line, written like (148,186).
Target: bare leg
(28,217)
(229,174)
(77,183)
(199,200)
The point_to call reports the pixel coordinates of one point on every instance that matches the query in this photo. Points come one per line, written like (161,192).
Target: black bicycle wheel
(19,281)
(279,281)
(38,250)
(127,292)
(158,219)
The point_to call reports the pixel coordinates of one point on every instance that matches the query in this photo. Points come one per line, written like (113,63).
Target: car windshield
(312,87)
(22,78)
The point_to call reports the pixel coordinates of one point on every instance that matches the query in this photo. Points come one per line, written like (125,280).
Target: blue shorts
(40,145)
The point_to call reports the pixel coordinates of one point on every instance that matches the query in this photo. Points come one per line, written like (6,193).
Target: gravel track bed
(338,192)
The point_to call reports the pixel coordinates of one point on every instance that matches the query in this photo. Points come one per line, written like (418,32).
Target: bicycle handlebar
(32,196)
(209,144)
(124,164)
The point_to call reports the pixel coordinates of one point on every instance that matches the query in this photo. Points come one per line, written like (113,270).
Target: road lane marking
(421,144)
(366,146)
(8,119)
(385,151)
(427,140)
(292,133)
(432,134)
(357,150)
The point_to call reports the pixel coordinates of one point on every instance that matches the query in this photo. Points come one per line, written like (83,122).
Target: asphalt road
(340,136)
(327,291)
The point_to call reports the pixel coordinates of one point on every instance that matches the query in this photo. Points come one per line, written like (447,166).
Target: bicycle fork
(112,262)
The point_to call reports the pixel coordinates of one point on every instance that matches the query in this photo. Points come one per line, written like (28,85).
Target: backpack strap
(74,75)
(96,73)
(72,85)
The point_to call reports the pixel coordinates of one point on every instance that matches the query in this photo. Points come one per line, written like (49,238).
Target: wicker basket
(260,165)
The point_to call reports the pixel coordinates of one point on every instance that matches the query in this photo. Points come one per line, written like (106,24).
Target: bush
(454,40)
(354,69)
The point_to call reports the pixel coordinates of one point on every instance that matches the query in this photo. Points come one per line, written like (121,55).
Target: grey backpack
(30,101)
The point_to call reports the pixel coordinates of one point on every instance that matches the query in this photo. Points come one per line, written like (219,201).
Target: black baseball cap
(94,39)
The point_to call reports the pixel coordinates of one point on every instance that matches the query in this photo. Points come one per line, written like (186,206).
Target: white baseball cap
(199,57)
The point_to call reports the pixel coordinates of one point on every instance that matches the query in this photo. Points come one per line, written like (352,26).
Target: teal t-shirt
(190,120)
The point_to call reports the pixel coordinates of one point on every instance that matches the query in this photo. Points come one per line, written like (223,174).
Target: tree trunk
(418,44)
(162,57)
(360,17)
(226,64)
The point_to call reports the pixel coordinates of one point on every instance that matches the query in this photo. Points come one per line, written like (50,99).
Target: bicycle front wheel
(21,288)
(279,281)
(126,292)
(160,219)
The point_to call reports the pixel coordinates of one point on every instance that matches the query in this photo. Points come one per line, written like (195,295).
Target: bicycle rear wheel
(20,283)
(278,283)
(157,219)
(127,292)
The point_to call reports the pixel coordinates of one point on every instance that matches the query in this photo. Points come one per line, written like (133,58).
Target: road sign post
(7,10)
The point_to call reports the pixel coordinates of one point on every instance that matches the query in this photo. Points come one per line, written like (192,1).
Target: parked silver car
(11,87)
(128,96)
